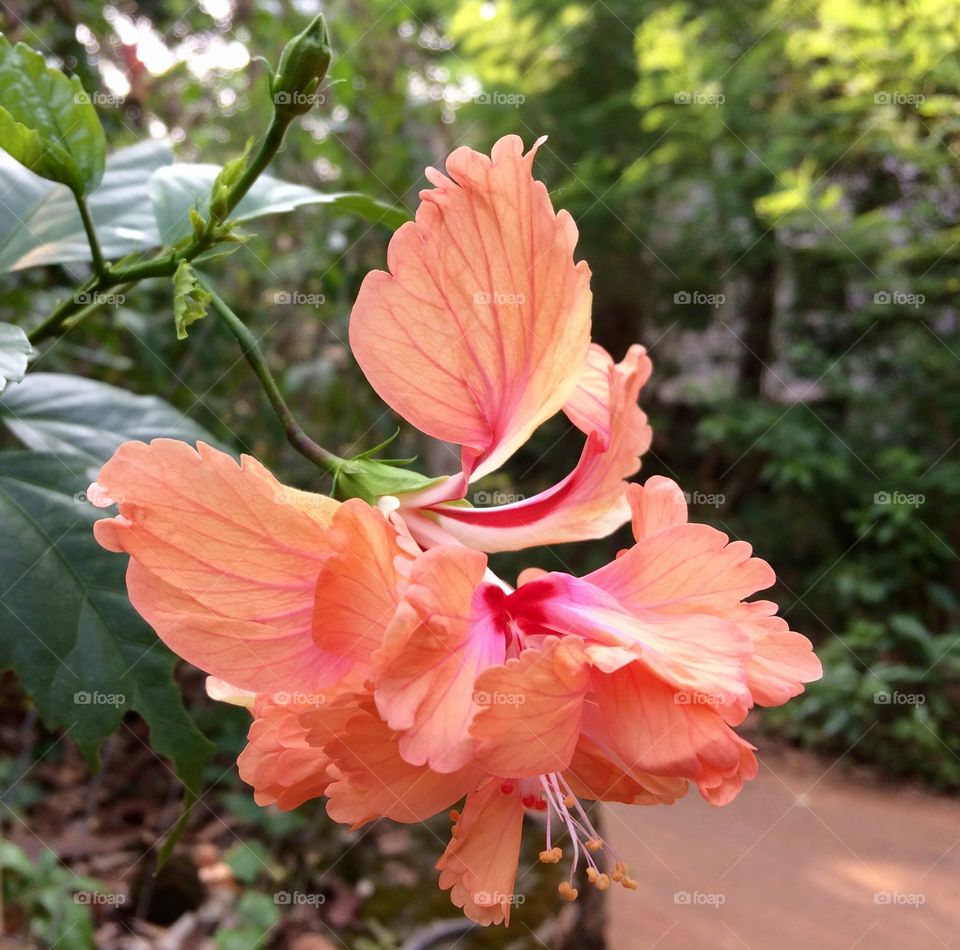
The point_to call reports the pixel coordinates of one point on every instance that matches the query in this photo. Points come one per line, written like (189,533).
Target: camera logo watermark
(898,98)
(496,698)
(302,499)
(896,698)
(899,898)
(496,498)
(495,898)
(299,699)
(99,99)
(713,499)
(914,500)
(299,98)
(699,898)
(97,698)
(87,298)
(686,697)
(299,299)
(498,299)
(685,297)
(899,298)
(95,898)
(495,98)
(699,97)
(299,898)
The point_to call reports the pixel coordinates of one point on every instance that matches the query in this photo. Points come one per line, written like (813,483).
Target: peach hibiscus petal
(282,766)
(372,780)
(223,561)
(530,710)
(694,571)
(698,653)
(479,867)
(782,659)
(479,331)
(357,588)
(598,775)
(658,730)
(441,639)
(591,502)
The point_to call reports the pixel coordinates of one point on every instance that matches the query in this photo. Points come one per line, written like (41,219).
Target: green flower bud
(303,64)
(371,479)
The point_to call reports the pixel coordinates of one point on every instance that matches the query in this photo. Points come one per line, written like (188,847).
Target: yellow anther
(567,892)
(594,844)
(629,883)
(592,875)
(569,801)
(552,856)
(602,882)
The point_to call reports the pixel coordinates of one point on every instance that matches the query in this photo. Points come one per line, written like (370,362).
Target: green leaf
(69,415)
(47,121)
(15,351)
(41,224)
(66,626)
(189,299)
(176,189)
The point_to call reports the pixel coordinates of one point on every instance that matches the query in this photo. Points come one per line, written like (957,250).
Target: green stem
(165,264)
(257,166)
(309,449)
(98,262)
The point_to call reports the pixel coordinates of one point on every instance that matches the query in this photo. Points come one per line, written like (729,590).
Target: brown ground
(808,856)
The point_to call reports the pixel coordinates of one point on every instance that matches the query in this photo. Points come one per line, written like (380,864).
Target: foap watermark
(99,99)
(299,898)
(299,699)
(89,298)
(899,898)
(895,698)
(713,499)
(310,99)
(96,698)
(302,499)
(495,898)
(699,97)
(686,697)
(494,98)
(496,498)
(898,298)
(295,297)
(497,698)
(498,299)
(699,898)
(97,898)
(895,97)
(697,297)
(911,499)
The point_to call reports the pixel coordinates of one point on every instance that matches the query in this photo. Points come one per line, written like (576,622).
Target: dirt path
(806,857)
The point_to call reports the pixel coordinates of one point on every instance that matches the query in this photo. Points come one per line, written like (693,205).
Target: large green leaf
(47,121)
(66,626)
(73,416)
(15,351)
(40,224)
(178,188)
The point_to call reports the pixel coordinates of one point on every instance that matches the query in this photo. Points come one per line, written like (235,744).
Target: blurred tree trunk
(758,316)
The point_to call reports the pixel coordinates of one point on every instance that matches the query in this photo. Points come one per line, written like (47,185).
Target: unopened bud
(303,64)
